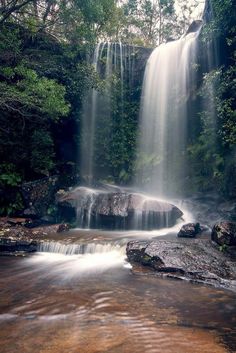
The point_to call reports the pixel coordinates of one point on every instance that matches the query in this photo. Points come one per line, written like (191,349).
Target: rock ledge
(196,260)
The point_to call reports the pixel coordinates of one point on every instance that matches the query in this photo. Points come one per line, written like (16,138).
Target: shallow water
(91,302)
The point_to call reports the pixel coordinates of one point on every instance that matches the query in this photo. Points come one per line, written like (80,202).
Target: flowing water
(113,207)
(114,64)
(166,88)
(78,295)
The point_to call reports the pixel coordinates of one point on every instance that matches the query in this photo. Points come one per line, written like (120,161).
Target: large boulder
(224,233)
(116,210)
(198,260)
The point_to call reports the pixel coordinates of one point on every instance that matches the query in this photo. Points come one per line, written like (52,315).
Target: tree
(149,19)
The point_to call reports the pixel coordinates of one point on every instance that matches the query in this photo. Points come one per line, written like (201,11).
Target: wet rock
(135,250)
(20,232)
(17,221)
(198,260)
(189,230)
(11,245)
(34,223)
(63,228)
(194,26)
(115,210)
(224,233)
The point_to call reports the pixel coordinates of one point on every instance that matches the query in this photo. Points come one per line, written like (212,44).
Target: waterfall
(164,113)
(79,249)
(113,63)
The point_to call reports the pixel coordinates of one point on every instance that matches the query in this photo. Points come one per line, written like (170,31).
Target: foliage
(151,20)
(10,199)
(41,159)
(26,94)
(212,155)
(8,175)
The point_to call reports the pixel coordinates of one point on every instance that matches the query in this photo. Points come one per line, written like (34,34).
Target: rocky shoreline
(196,260)
(19,236)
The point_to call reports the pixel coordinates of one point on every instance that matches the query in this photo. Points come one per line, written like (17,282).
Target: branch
(12,9)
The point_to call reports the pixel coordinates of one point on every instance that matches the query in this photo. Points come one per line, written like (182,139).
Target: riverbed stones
(11,245)
(197,260)
(16,237)
(224,233)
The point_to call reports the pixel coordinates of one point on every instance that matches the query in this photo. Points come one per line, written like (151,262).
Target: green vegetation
(45,74)
(212,155)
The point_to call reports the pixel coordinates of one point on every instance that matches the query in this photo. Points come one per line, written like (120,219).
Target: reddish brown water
(53,303)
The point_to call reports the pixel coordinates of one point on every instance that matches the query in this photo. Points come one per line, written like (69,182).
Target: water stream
(78,295)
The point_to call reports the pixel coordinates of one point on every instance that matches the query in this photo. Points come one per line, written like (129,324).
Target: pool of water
(91,302)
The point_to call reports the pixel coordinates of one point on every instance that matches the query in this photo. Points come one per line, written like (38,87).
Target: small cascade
(79,249)
(113,62)
(84,206)
(76,259)
(164,114)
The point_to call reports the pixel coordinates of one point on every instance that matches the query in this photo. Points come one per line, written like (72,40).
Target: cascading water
(74,259)
(120,209)
(167,81)
(112,62)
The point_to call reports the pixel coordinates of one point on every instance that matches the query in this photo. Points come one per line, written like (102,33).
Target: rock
(63,228)
(38,196)
(34,223)
(194,26)
(115,210)
(198,260)
(189,230)
(135,250)
(19,233)
(12,245)
(17,221)
(224,233)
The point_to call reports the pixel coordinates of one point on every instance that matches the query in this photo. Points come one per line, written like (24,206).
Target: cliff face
(141,57)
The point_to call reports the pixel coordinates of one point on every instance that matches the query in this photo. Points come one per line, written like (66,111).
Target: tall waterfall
(113,62)
(166,88)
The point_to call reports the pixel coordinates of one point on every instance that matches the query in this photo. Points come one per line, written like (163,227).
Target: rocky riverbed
(194,255)
(20,235)
(198,260)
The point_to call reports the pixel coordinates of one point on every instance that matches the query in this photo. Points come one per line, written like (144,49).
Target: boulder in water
(117,210)
(198,260)
(189,230)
